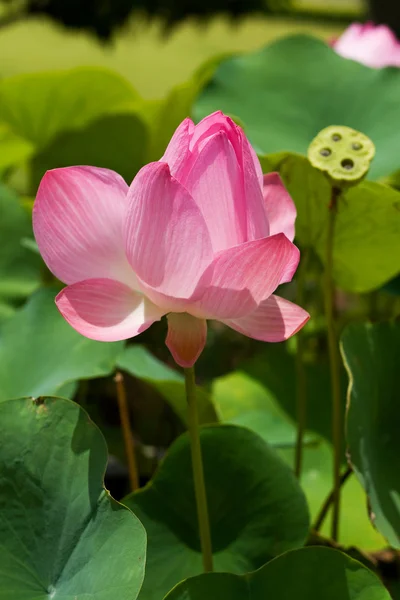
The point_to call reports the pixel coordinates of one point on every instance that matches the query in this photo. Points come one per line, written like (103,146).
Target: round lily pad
(62,535)
(305,574)
(257,509)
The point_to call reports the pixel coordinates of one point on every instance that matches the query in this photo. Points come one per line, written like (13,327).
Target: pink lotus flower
(372,45)
(199,235)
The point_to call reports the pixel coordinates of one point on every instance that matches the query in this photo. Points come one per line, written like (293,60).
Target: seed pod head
(344,154)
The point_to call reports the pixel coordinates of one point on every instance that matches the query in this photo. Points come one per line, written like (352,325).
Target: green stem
(301,380)
(127,432)
(198,474)
(319,521)
(334,363)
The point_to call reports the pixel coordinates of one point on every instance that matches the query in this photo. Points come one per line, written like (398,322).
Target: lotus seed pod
(344,154)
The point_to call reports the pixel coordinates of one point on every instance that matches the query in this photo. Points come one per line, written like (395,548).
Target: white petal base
(106,310)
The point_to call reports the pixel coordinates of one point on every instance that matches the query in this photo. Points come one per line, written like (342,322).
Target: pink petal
(186,338)
(257,165)
(177,154)
(290,267)
(217,122)
(275,320)
(166,237)
(257,220)
(106,310)
(372,45)
(215,183)
(279,206)
(242,277)
(78,217)
(247,187)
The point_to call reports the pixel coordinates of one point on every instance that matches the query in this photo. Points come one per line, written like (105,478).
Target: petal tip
(58,172)
(187,123)
(275,320)
(273,178)
(305,319)
(161,166)
(49,176)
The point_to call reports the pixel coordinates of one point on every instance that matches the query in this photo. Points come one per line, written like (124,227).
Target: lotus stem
(198,472)
(127,432)
(301,378)
(334,363)
(319,521)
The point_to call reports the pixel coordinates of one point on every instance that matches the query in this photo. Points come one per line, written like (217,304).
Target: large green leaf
(371,354)
(6,310)
(240,400)
(19,267)
(39,106)
(140,363)
(305,574)
(355,528)
(40,352)
(117,142)
(82,116)
(257,509)
(367,237)
(273,366)
(288,91)
(310,191)
(367,230)
(13,148)
(62,535)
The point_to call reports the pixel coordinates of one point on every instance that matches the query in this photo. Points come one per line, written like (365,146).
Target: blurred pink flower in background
(372,45)
(199,235)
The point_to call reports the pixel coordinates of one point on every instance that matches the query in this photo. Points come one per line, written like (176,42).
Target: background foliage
(67,99)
